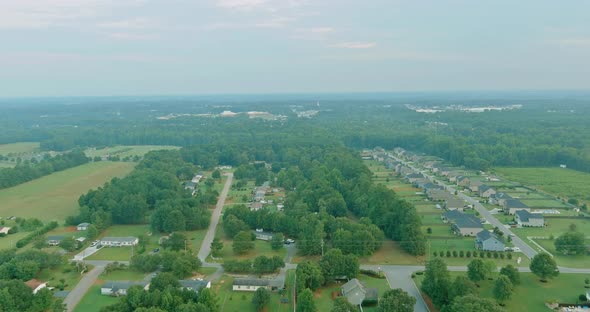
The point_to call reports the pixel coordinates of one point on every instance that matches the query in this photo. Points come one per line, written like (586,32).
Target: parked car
(156,250)
(289,241)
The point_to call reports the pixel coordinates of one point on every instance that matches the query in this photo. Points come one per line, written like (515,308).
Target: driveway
(400,276)
(206,245)
(74,297)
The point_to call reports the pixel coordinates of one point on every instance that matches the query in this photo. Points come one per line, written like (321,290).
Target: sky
(179,47)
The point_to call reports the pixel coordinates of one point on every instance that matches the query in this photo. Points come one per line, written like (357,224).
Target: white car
(515,249)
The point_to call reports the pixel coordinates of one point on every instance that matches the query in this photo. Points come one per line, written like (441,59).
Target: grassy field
(571,261)
(54,276)
(241,301)
(19,148)
(261,248)
(557,181)
(531,294)
(93,301)
(543,203)
(9,241)
(555,227)
(54,197)
(127,150)
(324,296)
(391,253)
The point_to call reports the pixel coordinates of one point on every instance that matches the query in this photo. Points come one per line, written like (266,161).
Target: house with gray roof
(513,205)
(463,181)
(119,288)
(454,203)
(474,185)
(413,177)
(463,224)
(119,241)
(486,191)
(54,240)
(250,284)
(488,241)
(83,226)
(438,195)
(262,235)
(356,293)
(499,198)
(525,218)
(195,285)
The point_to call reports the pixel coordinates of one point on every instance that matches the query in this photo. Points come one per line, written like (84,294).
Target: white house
(4,230)
(525,218)
(83,226)
(195,285)
(250,284)
(262,235)
(36,285)
(119,288)
(119,241)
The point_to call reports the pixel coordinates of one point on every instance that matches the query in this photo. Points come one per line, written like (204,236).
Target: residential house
(262,235)
(453,176)
(513,205)
(412,177)
(454,203)
(486,191)
(444,171)
(119,288)
(499,198)
(195,285)
(197,178)
(119,241)
(525,218)
(4,230)
(463,181)
(250,284)
(35,285)
(190,185)
(356,293)
(474,185)
(54,240)
(419,183)
(83,226)
(256,205)
(431,186)
(488,241)
(438,195)
(463,224)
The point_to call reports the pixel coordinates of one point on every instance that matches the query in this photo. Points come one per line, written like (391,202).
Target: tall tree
(571,243)
(309,275)
(261,298)
(512,273)
(243,242)
(473,303)
(544,266)
(216,247)
(305,301)
(503,289)
(341,304)
(277,241)
(396,300)
(476,271)
(437,281)
(462,286)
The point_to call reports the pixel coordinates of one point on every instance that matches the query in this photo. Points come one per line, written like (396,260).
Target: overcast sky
(142,47)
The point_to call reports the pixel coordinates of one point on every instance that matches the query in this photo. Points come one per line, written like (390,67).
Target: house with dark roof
(194,285)
(119,288)
(35,285)
(83,226)
(485,191)
(499,198)
(488,241)
(356,293)
(454,203)
(463,181)
(119,241)
(250,284)
(54,240)
(431,186)
(438,195)
(413,177)
(513,205)
(463,224)
(526,219)
(474,185)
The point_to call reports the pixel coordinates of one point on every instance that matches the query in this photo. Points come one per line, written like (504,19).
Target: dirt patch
(335,294)
(318,293)
(98,282)
(70,229)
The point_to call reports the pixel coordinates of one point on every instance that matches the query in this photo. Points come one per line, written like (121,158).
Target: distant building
(488,241)
(463,224)
(356,293)
(4,230)
(526,219)
(513,205)
(195,285)
(463,181)
(54,240)
(119,288)
(474,185)
(262,235)
(119,241)
(499,198)
(454,203)
(250,284)
(35,285)
(83,226)
(486,191)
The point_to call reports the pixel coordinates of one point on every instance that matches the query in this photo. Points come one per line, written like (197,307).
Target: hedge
(27,239)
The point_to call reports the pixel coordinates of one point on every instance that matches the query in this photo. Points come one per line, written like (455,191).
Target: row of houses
(55,240)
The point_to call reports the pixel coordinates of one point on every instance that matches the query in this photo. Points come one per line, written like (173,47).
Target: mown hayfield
(557,181)
(127,150)
(19,148)
(54,197)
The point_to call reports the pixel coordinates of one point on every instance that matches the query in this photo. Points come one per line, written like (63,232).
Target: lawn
(543,203)
(65,271)
(9,241)
(555,227)
(323,296)
(531,294)
(122,275)
(571,261)
(127,150)
(261,248)
(557,181)
(241,301)
(391,253)
(54,197)
(113,254)
(19,148)
(93,301)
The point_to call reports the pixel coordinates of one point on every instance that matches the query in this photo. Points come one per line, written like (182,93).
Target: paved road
(400,276)
(206,245)
(74,297)
(517,241)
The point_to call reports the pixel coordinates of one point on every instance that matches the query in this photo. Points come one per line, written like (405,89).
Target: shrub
(435,254)
(448,254)
(489,254)
(372,273)
(455,253)
(583,298)
(502,256)
(509,256)
(482,254)
(475,254)
(468,254)
(461,254)
(27,239)
(495,255)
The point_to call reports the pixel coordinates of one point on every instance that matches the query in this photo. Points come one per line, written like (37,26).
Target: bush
(435,254)
(475,254)
(372,273)
(454,253)
(461,254)
(501,255)
(448,254)
(509,256)
(496,255)
(482,254)
(489,254)
(27,239)
(582,298)
(468,254)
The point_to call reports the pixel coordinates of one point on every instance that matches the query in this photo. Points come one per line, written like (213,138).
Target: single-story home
(250,284)
(455,203)
(119,241)
(81,239)
(119,288)
(4,230)
(463,181)
(262,235)
(412,177)
(54,240)
(463,224)
(256,206)
(499,198)
(486,191)
(525,218)
(190,185)
(356,293)
(513,205)
(488,241)
(195,285)
(83,226)
(474,185)
(438,195)
(35,285)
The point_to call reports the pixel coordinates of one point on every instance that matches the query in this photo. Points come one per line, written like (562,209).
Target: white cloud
(133,23)
(275,22)
(354,45)
(132,36)
(241,4)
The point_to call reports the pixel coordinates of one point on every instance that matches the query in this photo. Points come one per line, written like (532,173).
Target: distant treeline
(31,170)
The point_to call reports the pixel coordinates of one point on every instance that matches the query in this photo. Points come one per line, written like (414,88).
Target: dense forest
(547,130)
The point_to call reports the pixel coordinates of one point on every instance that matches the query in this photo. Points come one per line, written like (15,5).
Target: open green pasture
(19,148)
(127,150)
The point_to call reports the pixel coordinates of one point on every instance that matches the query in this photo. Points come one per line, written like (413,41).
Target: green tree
(396,300)
(175,242)
(544,266)
(216,247)
(476,270)
(503,289)
(162,281)
(305,301)
(335,264)
(309,275)
(242,242)
(174,221)
(92,232)
(473,303)
(68,243)
(512,273)
(216,174)
(461,286)
(261,298)
(571,243)
(341,304)
(277,241)
(437,281)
